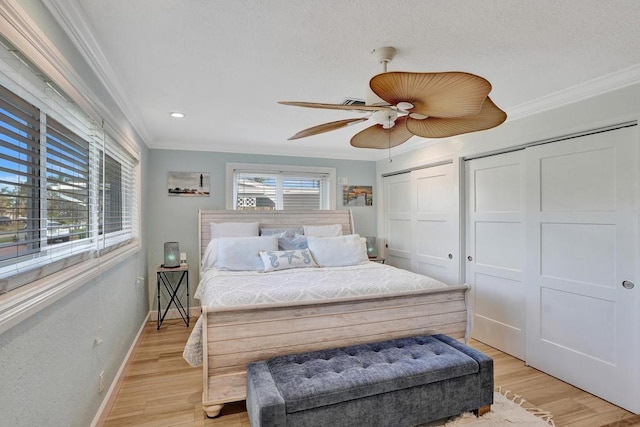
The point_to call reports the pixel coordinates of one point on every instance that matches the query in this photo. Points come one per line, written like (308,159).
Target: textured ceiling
(226,64)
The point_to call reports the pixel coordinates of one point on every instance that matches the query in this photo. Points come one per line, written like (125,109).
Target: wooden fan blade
(326,127)
(432,127)
(334,106)
(377,137)
(444,95)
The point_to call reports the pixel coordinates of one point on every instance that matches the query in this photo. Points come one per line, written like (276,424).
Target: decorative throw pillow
(243,253)
(292,243)
(282,260)
(333,230)
(288,238)
(282,232)
(338,251)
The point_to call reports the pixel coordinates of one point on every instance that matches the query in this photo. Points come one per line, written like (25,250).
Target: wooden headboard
(272,219)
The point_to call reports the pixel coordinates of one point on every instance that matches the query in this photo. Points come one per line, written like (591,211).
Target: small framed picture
(357,195)
(188,183)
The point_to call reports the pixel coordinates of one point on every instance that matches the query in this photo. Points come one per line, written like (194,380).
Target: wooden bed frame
(235,336)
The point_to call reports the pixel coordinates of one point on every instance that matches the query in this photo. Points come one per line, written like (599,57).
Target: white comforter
(232,288)
(235,288)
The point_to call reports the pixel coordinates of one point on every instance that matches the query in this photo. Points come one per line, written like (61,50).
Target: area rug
(508,409)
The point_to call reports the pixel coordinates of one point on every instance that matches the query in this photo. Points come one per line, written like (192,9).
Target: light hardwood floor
(161,389)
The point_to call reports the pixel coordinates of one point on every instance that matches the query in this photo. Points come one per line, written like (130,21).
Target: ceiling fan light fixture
(386,118)
(404,106)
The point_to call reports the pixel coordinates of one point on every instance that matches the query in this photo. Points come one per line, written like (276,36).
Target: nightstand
(167,282)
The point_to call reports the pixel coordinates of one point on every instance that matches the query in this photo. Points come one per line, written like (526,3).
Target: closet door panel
(398,190)
(422,223)
(582,235)
(495,250)
(435,233)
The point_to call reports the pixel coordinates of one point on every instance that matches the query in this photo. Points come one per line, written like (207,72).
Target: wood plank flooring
(161,389)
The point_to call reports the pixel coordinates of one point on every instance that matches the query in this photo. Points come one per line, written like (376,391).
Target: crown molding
(18,27)
(74,22)
(598,86)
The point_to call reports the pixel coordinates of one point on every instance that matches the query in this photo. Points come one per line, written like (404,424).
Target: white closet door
(494,250)
(421,222)
(399,225)
(582,234)
(436,253)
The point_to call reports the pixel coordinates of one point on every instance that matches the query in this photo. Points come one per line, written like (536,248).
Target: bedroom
(98,308)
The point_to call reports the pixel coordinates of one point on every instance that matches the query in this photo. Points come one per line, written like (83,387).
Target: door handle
(627,284)
(469,258)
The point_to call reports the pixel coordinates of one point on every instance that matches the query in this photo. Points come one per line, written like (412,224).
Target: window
(275,187)
(19,176)
(64,194)
(67,183)
(110,198)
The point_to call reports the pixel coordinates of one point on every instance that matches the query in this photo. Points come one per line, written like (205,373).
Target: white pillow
(338,251)
(243,253)
(333,230)
(210,255)
(234,229)
(282,260)
(225,229)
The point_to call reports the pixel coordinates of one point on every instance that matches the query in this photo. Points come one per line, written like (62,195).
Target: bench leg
(213,410)
(482,410)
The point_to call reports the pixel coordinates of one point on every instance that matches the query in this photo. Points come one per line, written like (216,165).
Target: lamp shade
(372,247)
(171,255)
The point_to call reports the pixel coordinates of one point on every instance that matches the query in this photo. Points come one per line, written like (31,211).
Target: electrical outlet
(101,382)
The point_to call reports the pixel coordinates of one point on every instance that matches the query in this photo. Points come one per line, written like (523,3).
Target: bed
(308,309)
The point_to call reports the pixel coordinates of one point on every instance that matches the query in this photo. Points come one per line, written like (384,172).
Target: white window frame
(271,168)
(46,279)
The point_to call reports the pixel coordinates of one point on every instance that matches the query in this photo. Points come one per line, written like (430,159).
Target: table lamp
(171,255)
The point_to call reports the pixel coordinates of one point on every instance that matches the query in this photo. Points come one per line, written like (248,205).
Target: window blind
(67,183)
(19,176)
(280,190)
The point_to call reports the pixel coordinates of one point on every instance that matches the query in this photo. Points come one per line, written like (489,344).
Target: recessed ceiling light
(177,115)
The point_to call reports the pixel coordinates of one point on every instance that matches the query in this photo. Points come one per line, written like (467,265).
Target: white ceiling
(225,64)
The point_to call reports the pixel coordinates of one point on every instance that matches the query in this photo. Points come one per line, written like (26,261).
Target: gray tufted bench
(400,382)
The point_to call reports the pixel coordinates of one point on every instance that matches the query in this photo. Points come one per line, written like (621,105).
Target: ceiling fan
(404,104)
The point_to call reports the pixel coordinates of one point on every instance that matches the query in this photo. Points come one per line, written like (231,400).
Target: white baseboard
(107,402)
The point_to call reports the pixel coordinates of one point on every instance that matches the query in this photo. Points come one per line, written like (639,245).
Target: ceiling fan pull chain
(389,130)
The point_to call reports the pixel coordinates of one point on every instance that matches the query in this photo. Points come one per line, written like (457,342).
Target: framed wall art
(357,195)
(188,183)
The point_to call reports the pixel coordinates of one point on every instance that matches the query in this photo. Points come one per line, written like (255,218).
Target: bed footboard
(234,337)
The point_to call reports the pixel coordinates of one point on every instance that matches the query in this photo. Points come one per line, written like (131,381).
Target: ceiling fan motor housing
(386,118)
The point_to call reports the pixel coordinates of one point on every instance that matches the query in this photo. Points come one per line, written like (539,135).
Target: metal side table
(166,280)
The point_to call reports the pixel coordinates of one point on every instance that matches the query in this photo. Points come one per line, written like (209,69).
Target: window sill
(21,303)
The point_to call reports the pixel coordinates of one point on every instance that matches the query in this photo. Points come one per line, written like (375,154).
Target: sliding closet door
(495,250)
(436,235)
(582,273)
(398,192)
(421,223)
